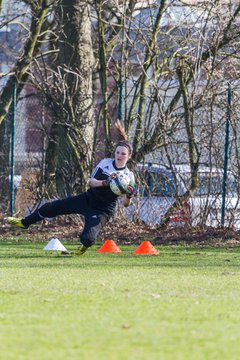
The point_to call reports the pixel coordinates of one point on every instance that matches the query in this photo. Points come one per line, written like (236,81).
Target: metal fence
(162,177)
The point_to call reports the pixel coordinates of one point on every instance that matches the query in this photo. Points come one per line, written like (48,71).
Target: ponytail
(122,137)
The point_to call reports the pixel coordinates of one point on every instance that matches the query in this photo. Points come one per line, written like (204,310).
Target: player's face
(121,156)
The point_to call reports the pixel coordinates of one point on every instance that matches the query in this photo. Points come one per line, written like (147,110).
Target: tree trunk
(76,125)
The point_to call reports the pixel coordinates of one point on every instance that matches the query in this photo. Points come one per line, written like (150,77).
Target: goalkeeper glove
(130,190)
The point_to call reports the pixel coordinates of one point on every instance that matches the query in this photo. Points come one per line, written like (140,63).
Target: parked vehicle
(159,187)
(206,203)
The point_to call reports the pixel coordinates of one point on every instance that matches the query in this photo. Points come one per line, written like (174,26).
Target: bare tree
(171,59)
(67,85)
(18,74)
(160,65)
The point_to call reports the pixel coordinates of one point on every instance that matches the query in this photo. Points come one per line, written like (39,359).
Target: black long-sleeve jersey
(102,198)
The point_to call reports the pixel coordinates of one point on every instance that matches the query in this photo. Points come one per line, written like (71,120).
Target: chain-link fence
(23,152)
(179,102)
(164,177)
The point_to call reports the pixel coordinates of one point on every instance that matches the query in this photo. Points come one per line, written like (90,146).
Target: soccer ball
(119,184)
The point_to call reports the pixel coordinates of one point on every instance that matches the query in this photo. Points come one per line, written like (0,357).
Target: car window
(211,184)
(162,184)
(156,184)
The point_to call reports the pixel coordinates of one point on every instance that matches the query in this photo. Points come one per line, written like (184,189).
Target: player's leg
(71,205)
(93,225)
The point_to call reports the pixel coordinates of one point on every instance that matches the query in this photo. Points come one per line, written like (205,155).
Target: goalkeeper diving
(98,203)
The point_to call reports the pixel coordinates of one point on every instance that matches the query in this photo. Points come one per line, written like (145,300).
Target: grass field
(181,304)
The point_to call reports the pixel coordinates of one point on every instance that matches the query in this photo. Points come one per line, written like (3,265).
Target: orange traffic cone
(146,248)
(109,246)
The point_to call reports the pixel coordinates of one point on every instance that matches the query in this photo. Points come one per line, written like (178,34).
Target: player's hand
(109,179)
(130,190)
(92,182)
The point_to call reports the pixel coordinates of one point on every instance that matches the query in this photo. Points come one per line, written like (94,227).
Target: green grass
(181,304)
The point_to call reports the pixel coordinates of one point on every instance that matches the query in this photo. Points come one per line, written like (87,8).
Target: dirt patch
(200,235)
(124,232)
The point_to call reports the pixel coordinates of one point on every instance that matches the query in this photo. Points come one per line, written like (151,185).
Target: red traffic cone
(109,246)
(146,248)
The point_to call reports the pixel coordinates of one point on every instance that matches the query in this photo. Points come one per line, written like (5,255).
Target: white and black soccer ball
(119,184)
